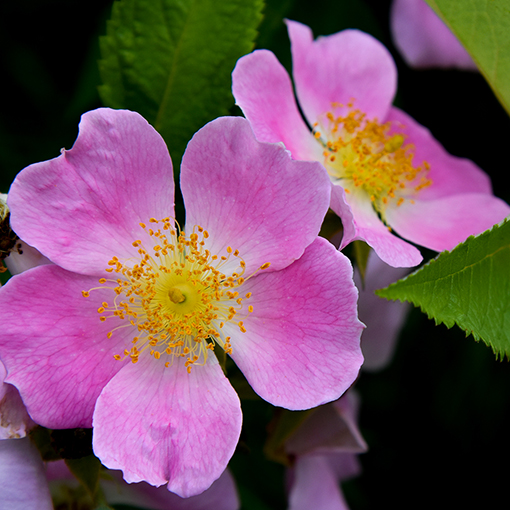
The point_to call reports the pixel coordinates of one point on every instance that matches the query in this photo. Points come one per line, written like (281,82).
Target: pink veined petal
(263,90)
(423,39)
(384,319)
(85,206)
(23,485)
(54,346)
(338,68)
(301,348)
(315,485)
(342,209)
(443,223)
(371,229)
(450,175)
(163,425)
(221,495)
(251,195)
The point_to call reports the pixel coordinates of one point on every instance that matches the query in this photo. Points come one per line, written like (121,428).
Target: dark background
(435,419)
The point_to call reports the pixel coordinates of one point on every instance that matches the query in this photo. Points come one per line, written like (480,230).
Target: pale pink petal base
(301,348)
(371,229)
(66,357)
(443,223)
(164,425)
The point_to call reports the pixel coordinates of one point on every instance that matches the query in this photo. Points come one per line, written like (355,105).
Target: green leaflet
(469,286)
(171,61)
(482,27)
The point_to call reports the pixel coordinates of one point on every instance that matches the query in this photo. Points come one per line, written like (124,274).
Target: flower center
(177,296)
(366,157)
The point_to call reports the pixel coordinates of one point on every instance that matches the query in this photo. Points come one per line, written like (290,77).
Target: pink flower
(387,171)
(384,319)
(423,39)
(325,448)
(23,484)
(117,333)
(221,495)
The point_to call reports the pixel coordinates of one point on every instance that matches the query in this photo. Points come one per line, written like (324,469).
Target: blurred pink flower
(117,333)
(23,484)
(325,448)
(423,39)
(387,171)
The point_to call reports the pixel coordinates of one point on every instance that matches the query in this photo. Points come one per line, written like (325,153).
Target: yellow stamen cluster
(177,296)
(364,155)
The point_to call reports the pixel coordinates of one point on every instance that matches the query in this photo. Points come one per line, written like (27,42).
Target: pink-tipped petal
(371,229)
(301,348)
(343,210)
(450,175)
(443,223)
(54,346)
(85,206)
(423,39)
(162,424)
(251,195)
(263,90)
(23,485)
(338,68)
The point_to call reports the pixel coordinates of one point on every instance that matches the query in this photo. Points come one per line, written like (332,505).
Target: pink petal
(23,485)
(443,223)
(371,229)
(164,425)
(221,495)
(449,174)
(330,428)
(423,39)
(55,347)
(85,206)
(252,196)
(315,485)
(301,348)
(263,90)
(384,319)
(338,68)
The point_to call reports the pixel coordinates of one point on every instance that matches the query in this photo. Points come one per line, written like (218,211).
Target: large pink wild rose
(118,333)
(387,172)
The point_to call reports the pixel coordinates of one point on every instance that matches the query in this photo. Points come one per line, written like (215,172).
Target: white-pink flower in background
(387,172)
(118,332)
(423,39)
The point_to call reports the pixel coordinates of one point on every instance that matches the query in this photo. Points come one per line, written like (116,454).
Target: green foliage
(171,61)
(482,27)
(86,470)
(469,286)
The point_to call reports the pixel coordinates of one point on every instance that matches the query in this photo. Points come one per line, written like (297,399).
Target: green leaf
(171,61)
(86,470)
(482,26)
(469,286)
